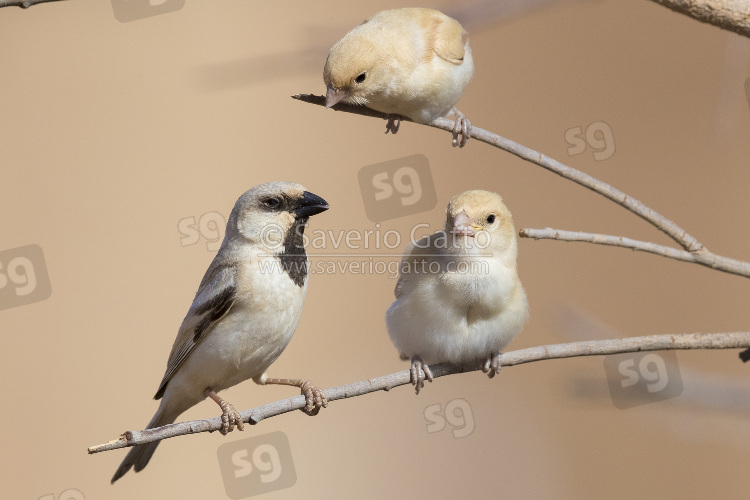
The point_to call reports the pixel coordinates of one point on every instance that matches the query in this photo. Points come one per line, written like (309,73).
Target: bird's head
(480,219)
(271,214)
(353,72)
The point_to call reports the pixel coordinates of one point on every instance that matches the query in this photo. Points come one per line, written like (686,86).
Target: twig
(732,15)
(734,340)
(699,253)
(24,4)
(704,258)
(671,229)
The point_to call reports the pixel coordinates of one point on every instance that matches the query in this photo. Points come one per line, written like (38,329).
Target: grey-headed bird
(458,296)
(412,62)
(244,312)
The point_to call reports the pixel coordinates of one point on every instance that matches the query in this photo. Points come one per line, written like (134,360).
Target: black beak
(309,204)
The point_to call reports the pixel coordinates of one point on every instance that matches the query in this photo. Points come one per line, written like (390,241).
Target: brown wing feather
(201,317)
(447,38)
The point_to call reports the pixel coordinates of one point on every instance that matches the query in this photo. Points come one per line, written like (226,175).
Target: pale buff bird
(411,62)
(244,313)
(458,296)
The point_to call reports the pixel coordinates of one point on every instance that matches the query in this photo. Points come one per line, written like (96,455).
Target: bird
(412,62)
(458,296)
(244,313)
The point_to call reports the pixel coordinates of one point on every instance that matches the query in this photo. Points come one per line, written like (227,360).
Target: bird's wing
(402,276)
(416,255)
(213,300)
(449,39)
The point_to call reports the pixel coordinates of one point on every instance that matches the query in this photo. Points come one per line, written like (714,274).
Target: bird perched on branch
(411,62)
(458,296)
(244,312)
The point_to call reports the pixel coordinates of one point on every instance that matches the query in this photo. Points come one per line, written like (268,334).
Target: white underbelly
(245,342)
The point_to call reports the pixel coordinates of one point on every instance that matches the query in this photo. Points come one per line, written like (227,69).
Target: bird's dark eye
(491,218)
(360,77)
(272,202)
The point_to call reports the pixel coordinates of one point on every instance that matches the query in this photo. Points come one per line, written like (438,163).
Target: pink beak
(462,224)
(333,96)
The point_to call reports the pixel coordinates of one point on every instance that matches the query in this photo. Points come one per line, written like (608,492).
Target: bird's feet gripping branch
(461,130)
(419,373)
(314,397)
(229,416)
(492,366)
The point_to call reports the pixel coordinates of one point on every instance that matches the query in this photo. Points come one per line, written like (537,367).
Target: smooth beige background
(111,133)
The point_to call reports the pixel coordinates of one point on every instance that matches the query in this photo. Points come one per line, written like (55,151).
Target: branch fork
(692,251)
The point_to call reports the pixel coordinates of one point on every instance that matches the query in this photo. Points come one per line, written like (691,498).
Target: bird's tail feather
(139,455)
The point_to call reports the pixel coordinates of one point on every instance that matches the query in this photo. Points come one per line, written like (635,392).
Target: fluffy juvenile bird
(411,62)
(244,312)
(458,296)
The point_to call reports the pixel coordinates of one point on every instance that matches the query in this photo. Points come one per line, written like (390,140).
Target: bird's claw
(419,373)
(462,128)
(314,398)
(492,366)
(394,122)
(229,418)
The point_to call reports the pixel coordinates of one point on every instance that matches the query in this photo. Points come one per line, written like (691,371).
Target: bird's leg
(314,397)
(462,128)
(492,366)
(394,122)
(229,416)
(419,372)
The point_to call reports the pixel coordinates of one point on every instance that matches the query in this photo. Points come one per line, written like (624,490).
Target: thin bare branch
(731,15)
(24,4)
(703,257)
(685,240)
(694,250)
(736,340)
